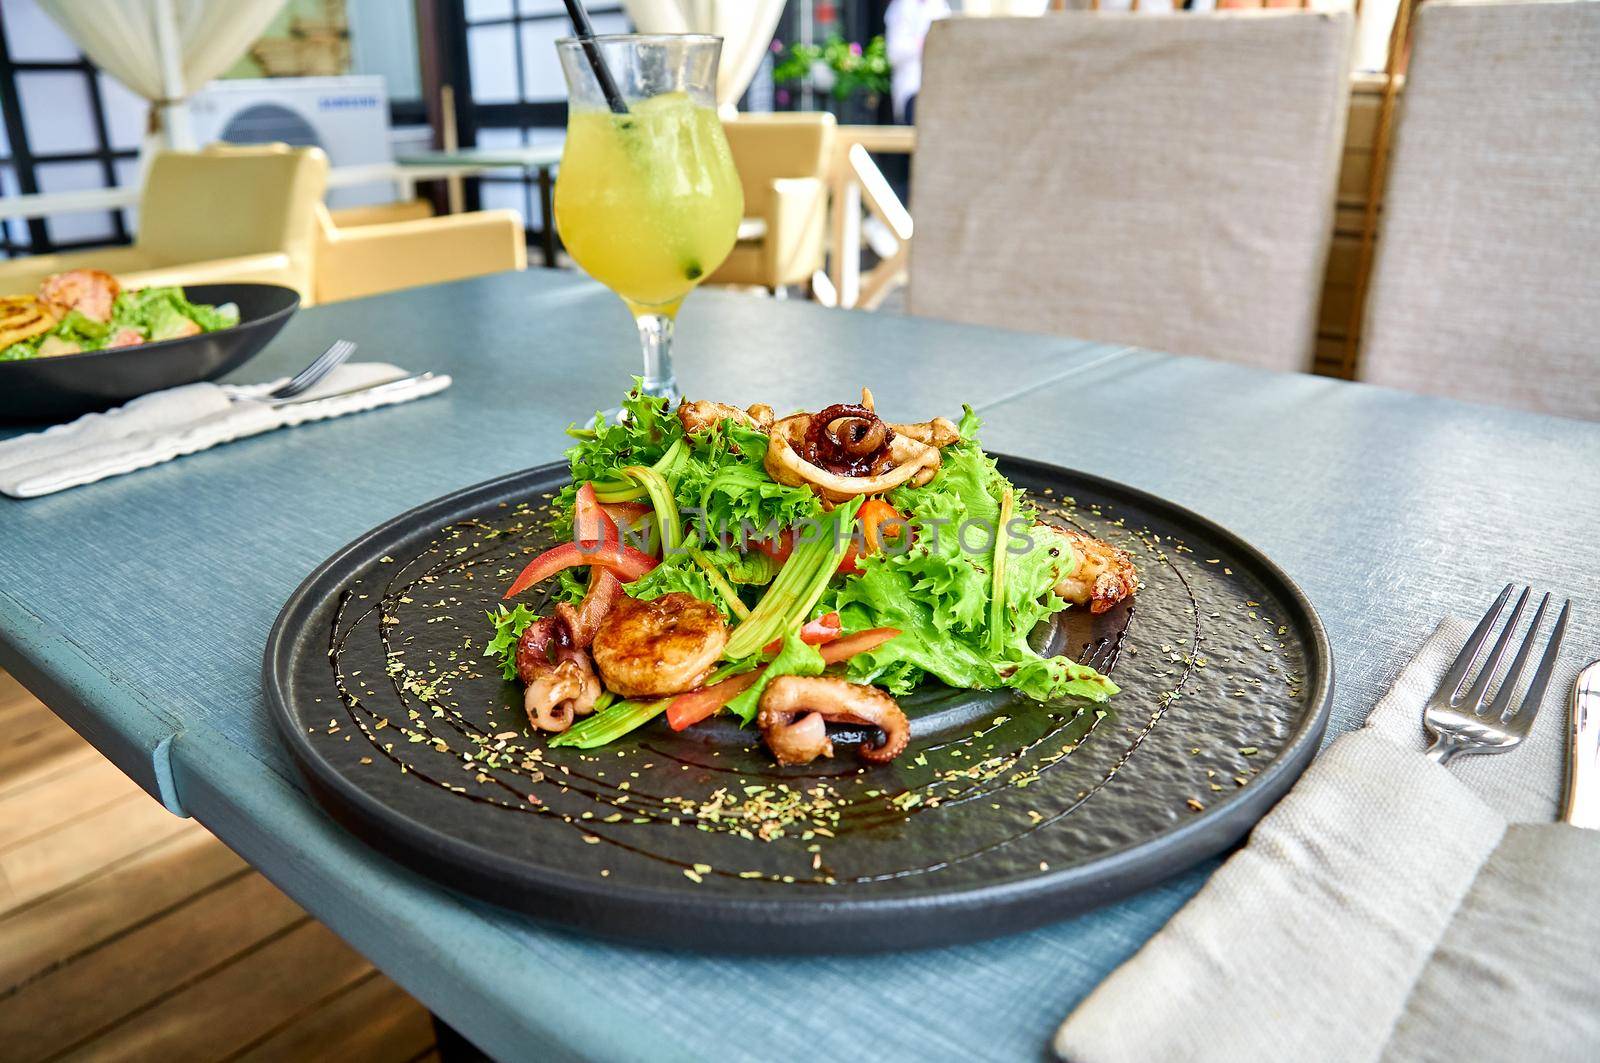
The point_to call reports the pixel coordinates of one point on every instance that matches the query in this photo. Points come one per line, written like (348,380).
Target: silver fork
(1463,719)
(325,363)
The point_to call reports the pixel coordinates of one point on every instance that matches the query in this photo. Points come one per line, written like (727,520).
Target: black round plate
(53,389)
(1002,815)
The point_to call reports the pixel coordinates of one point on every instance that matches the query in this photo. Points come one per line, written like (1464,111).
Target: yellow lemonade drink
(648,202)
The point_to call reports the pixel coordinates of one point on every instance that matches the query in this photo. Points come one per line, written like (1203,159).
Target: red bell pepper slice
(696,705)
(824,628)
(879,520)
(778,549)
(626,563)
(859,642)
(592,526)
(627,514)
(689,709)
(584,620)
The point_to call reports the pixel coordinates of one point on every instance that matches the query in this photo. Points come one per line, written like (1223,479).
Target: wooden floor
(128,933)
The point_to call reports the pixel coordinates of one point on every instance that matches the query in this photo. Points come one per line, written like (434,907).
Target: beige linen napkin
(1310,941)
(164,425)
(1517,976)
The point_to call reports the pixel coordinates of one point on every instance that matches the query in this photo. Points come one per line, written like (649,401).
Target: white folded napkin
(163,425)
(1311,942)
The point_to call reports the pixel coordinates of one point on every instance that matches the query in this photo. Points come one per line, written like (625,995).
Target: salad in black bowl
(83,343)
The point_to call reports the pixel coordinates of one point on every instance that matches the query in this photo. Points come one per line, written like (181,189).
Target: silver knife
(366,389)
(1582,805)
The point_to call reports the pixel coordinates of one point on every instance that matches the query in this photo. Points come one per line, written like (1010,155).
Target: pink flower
(855,48)
(777,46)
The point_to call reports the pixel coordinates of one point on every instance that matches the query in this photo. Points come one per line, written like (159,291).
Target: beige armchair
(783,162)
(255,213)
(227,213)
(383,256)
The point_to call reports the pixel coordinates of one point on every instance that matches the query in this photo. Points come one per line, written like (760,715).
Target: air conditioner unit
(347,117)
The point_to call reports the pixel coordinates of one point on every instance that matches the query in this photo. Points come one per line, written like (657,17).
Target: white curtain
(164,50)
(745,26)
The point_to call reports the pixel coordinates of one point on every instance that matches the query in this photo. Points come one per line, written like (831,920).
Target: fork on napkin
(167,424)
(1388,908)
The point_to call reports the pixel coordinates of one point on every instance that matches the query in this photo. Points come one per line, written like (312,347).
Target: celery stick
(631,491)
(997,593)
(798,586)
(612,724)
(720,585)
(665,505)
(616,491)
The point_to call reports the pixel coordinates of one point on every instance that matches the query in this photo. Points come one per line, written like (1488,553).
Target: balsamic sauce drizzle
(521,775)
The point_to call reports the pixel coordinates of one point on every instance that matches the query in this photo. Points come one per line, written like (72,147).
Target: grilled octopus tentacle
(795,708)
(561,684)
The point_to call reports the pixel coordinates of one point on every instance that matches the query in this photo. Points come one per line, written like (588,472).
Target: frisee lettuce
(509,624)
(678,572)
(795,657)
(724,481)
(718,479)
(938,590)
(642,438)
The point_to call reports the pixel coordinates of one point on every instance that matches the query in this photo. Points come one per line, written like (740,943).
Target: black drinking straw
(585,31)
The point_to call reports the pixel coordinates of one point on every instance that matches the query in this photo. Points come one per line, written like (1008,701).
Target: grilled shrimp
(662,646)
(1104,574)
(90,292)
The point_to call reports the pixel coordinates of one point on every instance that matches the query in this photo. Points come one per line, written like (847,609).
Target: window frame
(24,162)
(522,116)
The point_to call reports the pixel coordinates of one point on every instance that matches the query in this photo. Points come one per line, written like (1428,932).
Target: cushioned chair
(1485,284)
(783,162)
(382,256)
(1165,181)
(223,214)
(255,213)
(378,213)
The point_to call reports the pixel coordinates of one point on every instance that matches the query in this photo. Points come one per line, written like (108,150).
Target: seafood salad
(793,573)
(88,310)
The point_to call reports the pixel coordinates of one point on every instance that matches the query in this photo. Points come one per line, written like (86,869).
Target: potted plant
(853,78)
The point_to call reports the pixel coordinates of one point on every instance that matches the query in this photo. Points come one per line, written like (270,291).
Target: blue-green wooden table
(137,609)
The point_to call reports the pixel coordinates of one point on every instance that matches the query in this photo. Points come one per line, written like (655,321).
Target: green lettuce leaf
(678,572)
(509,625)
(937,590)
(795,657)
(161,313)
(84,331)
(605,449)
(723,482)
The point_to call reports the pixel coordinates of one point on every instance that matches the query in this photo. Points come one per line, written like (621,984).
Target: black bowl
(54,389)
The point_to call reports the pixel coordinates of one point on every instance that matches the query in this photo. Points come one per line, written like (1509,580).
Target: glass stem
(655,337)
